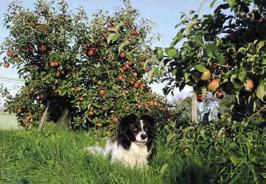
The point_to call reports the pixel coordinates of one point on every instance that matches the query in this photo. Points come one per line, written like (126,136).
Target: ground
(59,156)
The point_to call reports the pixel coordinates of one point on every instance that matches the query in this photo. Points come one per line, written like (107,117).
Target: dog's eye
(135,130)
(145,128)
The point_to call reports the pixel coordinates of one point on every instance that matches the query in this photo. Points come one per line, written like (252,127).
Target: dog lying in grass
(134,144)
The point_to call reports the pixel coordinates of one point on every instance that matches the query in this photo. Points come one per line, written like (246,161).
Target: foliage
(232,151)
(93,70)
(182,110)
(224,51)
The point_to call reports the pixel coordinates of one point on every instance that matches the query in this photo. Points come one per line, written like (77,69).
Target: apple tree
(222,52)
(117,53)
(94,70)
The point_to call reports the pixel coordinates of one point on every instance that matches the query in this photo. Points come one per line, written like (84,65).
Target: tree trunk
(194,115)
(44,117)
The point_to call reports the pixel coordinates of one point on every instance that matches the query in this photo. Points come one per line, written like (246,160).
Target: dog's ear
(149,119)
(125,122)
(123,128)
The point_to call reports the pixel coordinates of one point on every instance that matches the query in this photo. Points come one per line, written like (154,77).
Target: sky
(164,15)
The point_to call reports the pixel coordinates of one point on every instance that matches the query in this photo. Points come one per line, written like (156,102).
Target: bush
(232,152)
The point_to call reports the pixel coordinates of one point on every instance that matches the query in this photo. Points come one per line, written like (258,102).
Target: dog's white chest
(136,155)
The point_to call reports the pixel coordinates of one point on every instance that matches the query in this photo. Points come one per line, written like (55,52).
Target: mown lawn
(58,156)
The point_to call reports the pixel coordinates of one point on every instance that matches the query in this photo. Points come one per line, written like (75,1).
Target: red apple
(122,55)
(91,52)
(102,92)
(5,64)
(200,98)
(42,48)
(120,78)
(133,33)
(146,69)
(137,85)
(126,65)
(219,94)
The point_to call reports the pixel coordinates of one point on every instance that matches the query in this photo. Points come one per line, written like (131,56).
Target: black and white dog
(134,144)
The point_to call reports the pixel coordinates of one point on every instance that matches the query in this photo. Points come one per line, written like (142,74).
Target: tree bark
(194,115)
(44,117)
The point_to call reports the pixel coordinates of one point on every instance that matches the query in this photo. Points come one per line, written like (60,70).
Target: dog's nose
(143,136)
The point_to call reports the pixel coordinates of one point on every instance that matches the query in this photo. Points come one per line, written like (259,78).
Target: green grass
(8,121)
(58,156)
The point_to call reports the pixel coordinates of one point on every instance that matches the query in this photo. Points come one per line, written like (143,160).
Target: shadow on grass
(194,173)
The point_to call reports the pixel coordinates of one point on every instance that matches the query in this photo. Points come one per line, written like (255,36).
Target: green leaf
(121,47)
(211,50)
(171,136)
(260,91)
(264,61)
(190,26)
(263,175)
(201,68)
(164,168)
(242,75)
(233,159)
(129,56)
(171,52)
(118,26)
(198,39)
(186,76)
(242,50)
(232,3)
(112,38)
(157,71)
(159,53)
(220,58)
(259,46)
(212,3)
(177,38)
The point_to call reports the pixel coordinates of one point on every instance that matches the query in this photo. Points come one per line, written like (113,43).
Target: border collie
(134,144)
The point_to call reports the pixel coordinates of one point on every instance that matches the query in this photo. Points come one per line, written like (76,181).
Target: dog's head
(138,129)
